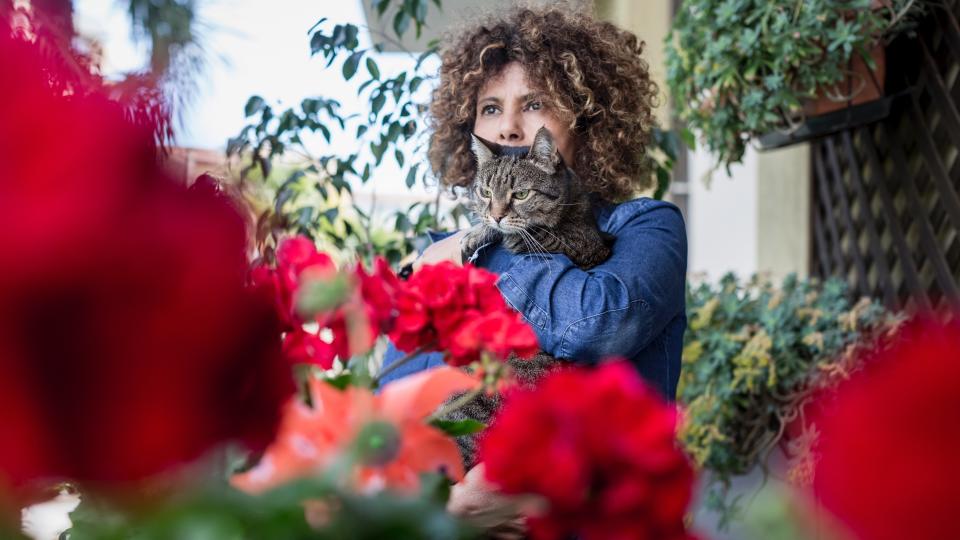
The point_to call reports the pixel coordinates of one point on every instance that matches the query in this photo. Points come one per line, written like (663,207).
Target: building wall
(757,219)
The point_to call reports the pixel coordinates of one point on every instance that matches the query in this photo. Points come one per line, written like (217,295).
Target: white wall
(755,221)
(722,218)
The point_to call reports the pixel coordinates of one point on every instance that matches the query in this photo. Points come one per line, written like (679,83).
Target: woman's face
(509,113)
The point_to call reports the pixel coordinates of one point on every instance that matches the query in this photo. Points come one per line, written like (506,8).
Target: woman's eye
(488,109)
(521,195)
(534,106)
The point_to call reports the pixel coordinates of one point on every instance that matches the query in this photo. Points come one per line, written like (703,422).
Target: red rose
(128,341)
(889,444)
(599,446)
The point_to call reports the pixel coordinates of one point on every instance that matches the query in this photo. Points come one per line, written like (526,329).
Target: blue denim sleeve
(419,363)
(613,309)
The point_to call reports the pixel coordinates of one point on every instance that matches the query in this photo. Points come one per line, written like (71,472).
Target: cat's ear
(543,152)
(481,150)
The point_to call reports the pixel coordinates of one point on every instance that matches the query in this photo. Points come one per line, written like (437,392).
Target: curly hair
(590,74)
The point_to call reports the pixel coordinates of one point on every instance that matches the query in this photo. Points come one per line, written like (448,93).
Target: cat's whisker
(537,246)
(533,247)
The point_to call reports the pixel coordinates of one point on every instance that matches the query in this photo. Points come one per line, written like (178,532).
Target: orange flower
(385,434)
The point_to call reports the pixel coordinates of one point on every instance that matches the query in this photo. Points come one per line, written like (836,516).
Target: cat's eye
(521,195)
(484,192)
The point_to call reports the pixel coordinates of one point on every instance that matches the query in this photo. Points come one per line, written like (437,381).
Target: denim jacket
(633,305)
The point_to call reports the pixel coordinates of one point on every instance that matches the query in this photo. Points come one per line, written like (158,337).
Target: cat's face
(516,193)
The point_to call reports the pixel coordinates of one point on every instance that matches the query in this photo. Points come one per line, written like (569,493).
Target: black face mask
(520,151)
(500,150)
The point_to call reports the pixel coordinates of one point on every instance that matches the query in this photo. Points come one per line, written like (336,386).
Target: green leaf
(373,69)
(458,428)
(414,84)
(377,103)
(350,32)
(351,63)
(254,105)
(324,131)
(382,7)
(398,154)
(340,382)
(421,11)
(412,175)
(401,22)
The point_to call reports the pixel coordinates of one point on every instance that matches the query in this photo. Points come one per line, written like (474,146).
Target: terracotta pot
(860,86)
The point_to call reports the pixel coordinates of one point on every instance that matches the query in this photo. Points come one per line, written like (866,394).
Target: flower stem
(389,369)
(455,404)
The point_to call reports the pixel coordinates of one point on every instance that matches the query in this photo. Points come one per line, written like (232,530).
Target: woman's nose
(511,130)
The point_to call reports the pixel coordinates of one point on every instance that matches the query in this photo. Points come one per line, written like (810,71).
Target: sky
(252,47)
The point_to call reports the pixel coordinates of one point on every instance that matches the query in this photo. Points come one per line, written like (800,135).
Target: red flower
(128,341)
(378,290)
(888,467)
(500,332)
(599,446)
(364,313)
(302,347)
(458,309)
(297,259)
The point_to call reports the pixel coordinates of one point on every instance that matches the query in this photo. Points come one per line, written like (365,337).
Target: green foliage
(742,68)
(222,512)
(753,355)
(390,124)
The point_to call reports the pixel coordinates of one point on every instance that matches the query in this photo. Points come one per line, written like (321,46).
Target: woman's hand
(447,249)
(476,501)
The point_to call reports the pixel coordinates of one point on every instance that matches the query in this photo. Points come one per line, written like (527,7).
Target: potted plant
(740,68)
(754,355)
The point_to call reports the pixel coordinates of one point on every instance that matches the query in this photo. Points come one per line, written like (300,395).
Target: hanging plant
(741,68)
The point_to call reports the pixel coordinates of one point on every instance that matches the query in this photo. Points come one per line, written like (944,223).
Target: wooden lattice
(886,195)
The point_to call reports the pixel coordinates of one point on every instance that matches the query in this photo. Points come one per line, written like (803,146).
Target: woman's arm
(615,308)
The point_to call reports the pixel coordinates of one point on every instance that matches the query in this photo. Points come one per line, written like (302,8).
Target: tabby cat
(532,203)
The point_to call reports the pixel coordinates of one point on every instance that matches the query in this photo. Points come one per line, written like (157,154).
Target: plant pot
(861,85)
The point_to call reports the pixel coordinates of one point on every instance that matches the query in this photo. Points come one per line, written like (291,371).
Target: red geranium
(500,332)
(599,446)
(458,309)
(889,444)
(297,259)
(351,327)
(128,341)
(378,290)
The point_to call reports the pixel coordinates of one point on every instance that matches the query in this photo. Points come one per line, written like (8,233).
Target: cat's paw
(473,240)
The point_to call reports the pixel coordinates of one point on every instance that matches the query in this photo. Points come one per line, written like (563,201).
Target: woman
(583,80)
